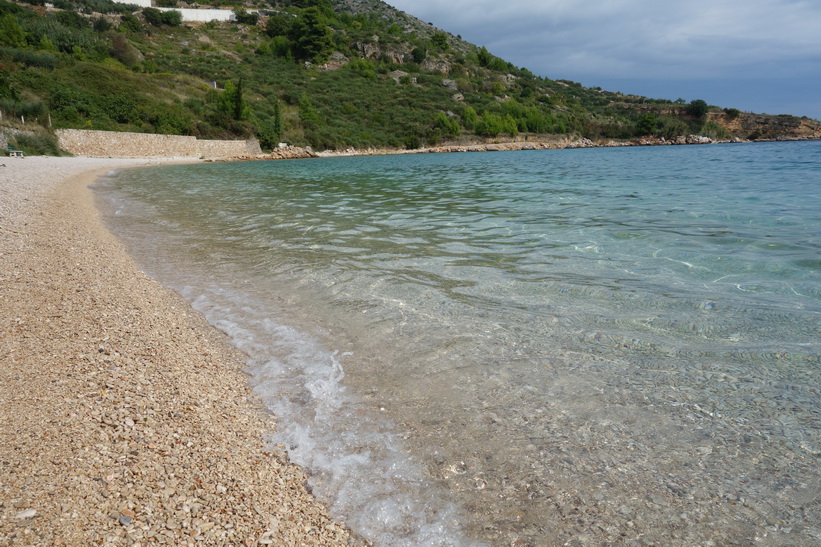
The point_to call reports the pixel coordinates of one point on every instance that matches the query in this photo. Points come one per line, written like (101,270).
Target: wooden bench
(14,152)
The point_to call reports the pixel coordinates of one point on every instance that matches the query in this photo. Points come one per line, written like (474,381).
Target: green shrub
(440,40)
(243,17)
(647,124)
(101,24)
(29,58)
(490,125)
(94,6)
(307,113)
(469,118)
(71,19)
(124,51)
(37,144)
(129,23)
(732,113)
(156,17)
(363,67)
(447,126)
(715,131)
(67,39)
(30,110)
(672,128)
(11,33)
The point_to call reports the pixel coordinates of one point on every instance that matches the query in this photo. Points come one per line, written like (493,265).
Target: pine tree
(277,120)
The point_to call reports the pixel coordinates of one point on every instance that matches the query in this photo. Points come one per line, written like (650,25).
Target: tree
(647,124)
(697,109)
(153,16)
(277,25)
(11,33)
(484,57)
(278,127)
(418,54)
(308,115)
(311,36)
(322,5)
(232,103)
(440,40)
(281,47)
(101,24)
(270,131)
(469,117)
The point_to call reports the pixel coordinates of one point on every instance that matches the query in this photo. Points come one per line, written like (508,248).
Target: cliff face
(765,126)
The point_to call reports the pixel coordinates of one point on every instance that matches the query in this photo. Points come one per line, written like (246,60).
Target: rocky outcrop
(373,50)
(766,126)
(397,75)
(431,65)
(336,62)
(283,153)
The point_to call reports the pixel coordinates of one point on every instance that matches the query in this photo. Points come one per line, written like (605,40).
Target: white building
(202,15)
(189,15)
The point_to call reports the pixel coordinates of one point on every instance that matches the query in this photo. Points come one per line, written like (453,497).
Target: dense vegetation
(354,73)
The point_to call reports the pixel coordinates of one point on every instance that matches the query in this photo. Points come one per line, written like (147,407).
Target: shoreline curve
(124,416)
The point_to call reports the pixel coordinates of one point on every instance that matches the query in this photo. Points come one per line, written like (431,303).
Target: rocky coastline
(558,144)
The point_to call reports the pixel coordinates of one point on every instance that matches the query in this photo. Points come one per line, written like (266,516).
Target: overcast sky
(755,55)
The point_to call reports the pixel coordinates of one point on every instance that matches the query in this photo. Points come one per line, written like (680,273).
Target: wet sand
(124,417)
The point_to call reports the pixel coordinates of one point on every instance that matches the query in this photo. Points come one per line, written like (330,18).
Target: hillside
(332,74)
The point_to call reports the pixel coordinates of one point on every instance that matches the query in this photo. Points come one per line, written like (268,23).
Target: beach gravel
(125,419)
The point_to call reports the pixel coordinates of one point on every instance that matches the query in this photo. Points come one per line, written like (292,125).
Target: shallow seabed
(599,346)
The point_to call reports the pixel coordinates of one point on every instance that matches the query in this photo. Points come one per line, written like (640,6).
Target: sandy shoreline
(124,418)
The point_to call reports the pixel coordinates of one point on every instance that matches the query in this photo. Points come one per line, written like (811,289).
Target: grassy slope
(381,78)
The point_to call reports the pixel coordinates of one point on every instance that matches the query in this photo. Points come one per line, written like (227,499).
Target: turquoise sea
(584,347)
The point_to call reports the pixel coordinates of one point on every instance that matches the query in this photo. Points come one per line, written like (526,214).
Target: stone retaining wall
(147,145)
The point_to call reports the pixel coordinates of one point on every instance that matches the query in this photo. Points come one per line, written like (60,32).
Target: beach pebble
(26,514)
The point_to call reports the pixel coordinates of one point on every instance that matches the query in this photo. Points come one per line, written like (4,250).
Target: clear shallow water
(605,345)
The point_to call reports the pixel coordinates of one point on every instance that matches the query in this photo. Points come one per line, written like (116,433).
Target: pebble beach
(125,419)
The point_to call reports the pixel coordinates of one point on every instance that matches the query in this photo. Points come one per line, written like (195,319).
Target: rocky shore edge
(295,152)
(561,144)
(125,419)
